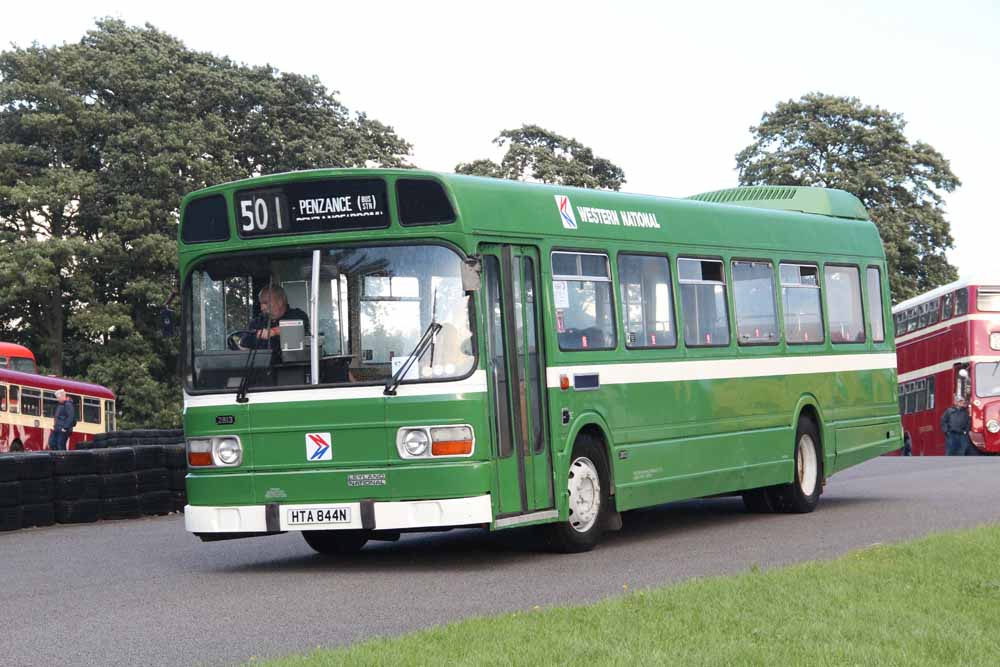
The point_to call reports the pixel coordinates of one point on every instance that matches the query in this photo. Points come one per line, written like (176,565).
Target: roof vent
(820,201)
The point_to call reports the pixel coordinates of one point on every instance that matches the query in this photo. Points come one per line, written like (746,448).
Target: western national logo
(318,447)
(566,212)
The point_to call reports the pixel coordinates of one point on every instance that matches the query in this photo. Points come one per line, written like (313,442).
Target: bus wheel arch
(16,446)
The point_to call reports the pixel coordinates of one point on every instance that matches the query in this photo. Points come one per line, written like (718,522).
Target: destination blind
(312,207)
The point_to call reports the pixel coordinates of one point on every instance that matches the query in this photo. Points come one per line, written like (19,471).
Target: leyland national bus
(450,351)
(28,405)
(948,346)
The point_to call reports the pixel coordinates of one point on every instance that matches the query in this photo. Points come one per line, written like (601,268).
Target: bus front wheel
(802,494)
(589,499)
(336,542)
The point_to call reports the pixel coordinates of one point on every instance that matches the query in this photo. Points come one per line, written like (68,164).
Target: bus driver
(263,330)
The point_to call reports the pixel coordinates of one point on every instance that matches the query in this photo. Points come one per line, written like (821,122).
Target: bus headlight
(421,442)
(993,426)
(414,443)
(228,451)
(217,451)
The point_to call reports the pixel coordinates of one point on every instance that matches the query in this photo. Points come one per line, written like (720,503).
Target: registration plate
(318,516)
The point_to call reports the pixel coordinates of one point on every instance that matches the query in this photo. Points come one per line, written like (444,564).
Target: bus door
(516,369)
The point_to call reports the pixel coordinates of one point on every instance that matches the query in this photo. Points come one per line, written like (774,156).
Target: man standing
(65,420)
(955,423)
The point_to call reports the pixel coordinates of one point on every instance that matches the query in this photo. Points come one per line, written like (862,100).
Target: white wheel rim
(805,462)
(584,494)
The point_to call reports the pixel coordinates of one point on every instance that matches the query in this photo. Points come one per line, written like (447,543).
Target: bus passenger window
(800,296)
(92,410)
(77,405)
(647,306)
(13,398)
(961,302)
(703,302)
(31,402)
(753,298)
(843,304)
(109,416)
(581,287)
(875,304)
(3,398)
(49,404)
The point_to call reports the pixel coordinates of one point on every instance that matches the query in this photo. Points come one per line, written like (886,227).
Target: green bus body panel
(666,439)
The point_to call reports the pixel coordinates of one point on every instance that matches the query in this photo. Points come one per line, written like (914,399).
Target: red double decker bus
(948,346)
(28,404)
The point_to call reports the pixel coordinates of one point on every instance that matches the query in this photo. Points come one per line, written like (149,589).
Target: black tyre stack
(34,472)
(10,494)
(175,456)
(76,486)
(153,480)
(119,483)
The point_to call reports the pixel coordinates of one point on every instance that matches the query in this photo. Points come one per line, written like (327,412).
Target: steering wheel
(233,339)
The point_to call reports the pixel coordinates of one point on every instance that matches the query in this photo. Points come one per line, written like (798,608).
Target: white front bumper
(397,515)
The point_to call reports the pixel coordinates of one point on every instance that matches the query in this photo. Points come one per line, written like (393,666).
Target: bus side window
(647,307)
(3,398)
(961,302)
(77,405)
(946,304)
(581,287)
(874,277)
(31,402)
(801,304)
(13,400)
(704,307)
(109,416)
(92,410)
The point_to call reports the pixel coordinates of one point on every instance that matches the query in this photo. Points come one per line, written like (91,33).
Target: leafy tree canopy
(99,141)
(837,142)
(536,154)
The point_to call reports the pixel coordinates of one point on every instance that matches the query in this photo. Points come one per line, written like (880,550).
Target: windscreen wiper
(249,368)
(426,339)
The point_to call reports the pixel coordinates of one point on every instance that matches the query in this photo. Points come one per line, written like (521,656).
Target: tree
(836,142)
(99,141)
(536,154)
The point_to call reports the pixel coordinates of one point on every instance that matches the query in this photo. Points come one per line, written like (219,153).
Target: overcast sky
(665,90)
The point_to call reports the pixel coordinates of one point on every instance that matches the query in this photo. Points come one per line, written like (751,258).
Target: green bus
(376,351)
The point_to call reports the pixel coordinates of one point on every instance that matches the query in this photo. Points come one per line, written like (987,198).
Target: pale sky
(665,90)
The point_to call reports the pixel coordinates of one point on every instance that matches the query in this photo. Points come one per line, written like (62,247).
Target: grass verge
(935,601)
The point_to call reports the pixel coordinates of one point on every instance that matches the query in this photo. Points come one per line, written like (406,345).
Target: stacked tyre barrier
(120,475)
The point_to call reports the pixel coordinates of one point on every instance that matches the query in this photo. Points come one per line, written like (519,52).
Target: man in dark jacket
(65,420)
(955,423)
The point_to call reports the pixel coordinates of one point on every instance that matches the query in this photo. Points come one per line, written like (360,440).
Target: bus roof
(992,279)
(15,350)
(50,383)
(532,210)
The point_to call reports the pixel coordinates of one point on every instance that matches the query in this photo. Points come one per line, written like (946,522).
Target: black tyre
(10,494)
(77,487)
(802,494)
(8,468)
(34,466)
(77,511)
(156,503)
(175,456)
(148,457)
(36,491)
(152,480)
(589,499)
(336,542)
(120,508)
(115,460)
(76,462)
(178,479)
(17,446)
(40,514)
(10,518)
(119,485)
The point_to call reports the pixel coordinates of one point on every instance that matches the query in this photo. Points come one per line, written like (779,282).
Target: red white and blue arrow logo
(566,212)
(319,447)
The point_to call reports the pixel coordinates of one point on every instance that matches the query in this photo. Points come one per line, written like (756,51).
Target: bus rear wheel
(589,498)
(336,542)
(802,494)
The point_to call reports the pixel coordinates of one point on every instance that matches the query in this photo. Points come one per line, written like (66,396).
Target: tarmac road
(144,592)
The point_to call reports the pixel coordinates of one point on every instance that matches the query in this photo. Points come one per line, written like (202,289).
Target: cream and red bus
(28,405)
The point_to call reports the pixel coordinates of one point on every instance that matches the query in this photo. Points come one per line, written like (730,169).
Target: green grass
(935,601)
